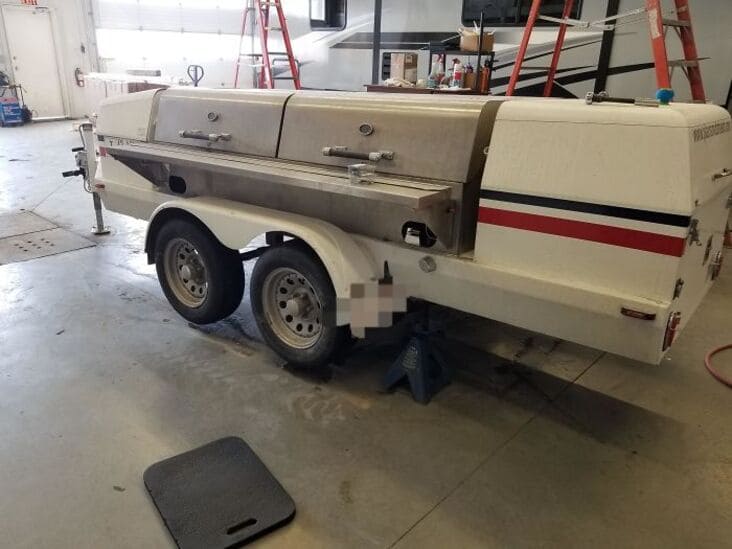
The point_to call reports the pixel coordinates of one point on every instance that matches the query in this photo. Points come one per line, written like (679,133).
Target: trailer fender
(235,225)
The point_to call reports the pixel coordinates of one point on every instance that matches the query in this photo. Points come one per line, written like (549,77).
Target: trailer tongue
(601,224)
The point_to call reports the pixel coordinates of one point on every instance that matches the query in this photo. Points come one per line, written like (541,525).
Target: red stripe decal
(606,234)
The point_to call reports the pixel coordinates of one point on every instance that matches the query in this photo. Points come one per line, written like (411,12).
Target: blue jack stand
(421,364)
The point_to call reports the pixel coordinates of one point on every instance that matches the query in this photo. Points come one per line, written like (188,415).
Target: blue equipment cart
(10,111)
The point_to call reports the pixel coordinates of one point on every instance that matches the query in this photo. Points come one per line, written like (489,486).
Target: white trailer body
(601,224)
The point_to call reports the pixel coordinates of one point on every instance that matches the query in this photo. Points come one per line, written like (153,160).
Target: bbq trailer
(600,223)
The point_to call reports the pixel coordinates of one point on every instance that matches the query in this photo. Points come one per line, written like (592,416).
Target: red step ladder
(264,24)
(658,28)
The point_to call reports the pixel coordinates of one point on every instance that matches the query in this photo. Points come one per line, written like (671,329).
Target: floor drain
(54,241)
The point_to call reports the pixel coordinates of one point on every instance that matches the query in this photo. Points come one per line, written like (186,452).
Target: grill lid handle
(198,134)
(343,152)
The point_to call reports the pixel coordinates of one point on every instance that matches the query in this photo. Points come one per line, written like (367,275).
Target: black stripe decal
(398,40)
(582,76)
(545,54)
(574,78)
(606,48)
(539,73)
(589,207)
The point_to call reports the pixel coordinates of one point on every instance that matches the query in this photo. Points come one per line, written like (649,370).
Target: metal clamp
(362,174)
(721,175)
(343,152)
(198,134)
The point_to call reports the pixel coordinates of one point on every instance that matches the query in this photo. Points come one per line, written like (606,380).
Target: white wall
(73,30)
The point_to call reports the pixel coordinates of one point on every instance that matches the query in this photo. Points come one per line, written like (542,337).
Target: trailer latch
(633,313)
(715,267)
(672,330)
(693,236)
(721,175)
(678,287)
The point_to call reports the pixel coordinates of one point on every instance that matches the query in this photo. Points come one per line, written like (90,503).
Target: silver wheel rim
(185,272)
(292,308)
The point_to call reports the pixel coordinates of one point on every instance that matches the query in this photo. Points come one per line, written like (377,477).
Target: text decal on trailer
(710,130)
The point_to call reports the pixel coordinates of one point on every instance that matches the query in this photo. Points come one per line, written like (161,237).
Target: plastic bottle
(435,77)
(469,81)
(457,74)
(485,76)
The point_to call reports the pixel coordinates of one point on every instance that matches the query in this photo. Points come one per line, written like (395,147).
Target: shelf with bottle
(459,75)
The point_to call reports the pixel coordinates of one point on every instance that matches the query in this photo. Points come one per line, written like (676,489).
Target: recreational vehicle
(333,42)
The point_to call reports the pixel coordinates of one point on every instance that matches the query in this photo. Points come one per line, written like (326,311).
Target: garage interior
(536,441)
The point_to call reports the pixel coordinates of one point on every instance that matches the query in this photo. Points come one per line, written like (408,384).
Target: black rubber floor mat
(220,495)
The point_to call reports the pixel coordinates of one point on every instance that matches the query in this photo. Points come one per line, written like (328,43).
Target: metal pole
(376,51)
(99,228)
(606,48)
(476,87)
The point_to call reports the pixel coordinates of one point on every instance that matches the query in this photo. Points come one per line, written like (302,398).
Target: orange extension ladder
(658,28)
(263,23)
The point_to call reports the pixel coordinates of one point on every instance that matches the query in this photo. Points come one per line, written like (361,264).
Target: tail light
(715,267)
(672,329)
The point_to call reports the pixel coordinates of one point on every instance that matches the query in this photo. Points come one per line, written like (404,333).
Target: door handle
(343,152)
(198,134)
(721,175)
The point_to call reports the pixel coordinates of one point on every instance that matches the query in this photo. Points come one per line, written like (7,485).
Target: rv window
(327,14)
(513,13)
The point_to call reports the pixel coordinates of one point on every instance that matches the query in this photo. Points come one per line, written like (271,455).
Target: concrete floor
(551,445)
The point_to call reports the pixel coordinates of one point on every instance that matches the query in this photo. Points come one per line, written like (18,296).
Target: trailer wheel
(202,279)
(294,303)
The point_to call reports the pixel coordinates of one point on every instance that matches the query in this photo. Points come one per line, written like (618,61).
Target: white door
(33,59)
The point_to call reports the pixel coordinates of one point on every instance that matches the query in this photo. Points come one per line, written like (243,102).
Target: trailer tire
(202,279)
(294,304)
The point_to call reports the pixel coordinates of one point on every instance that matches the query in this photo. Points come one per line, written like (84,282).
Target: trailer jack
(86,162)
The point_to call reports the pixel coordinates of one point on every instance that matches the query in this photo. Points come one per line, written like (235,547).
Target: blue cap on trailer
(665,95)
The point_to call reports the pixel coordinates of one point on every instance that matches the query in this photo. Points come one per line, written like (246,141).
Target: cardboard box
(404,66)
(469,41)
